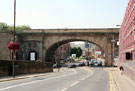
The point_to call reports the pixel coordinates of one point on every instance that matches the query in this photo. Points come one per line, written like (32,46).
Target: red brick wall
(127,41)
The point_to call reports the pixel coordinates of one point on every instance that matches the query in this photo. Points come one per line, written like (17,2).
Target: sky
(44,14)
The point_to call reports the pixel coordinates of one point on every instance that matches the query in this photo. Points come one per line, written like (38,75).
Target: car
(81,64)
(77,64)
(71,66)
(100,63)
(63,65)
(89,62)
(56,66)
(115,63)
(94,62)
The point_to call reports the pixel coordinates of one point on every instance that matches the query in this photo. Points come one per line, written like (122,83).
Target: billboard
(97,52)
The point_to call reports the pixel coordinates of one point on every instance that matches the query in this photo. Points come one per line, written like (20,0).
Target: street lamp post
(88,50)
(113,41)
(13,45)
(58,61)
(14,55)
(88,54)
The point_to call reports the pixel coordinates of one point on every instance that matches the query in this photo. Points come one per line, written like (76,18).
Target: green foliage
(18,28)
(5,27)
(77,51)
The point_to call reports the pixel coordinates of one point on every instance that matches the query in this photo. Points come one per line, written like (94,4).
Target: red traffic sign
(13,46)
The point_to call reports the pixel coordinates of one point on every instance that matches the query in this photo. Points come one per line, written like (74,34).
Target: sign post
(13,45)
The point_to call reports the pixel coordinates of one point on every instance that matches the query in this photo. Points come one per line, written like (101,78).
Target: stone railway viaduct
(44,42)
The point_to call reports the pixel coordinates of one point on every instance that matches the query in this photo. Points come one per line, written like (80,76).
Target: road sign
(73,55)
(97,52)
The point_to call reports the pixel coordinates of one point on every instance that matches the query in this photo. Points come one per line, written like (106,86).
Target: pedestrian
(121,70)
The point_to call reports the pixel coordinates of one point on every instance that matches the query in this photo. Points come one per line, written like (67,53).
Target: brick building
(127,41)
(63,51)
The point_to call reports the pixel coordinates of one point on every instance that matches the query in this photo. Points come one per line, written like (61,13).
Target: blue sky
(42,14)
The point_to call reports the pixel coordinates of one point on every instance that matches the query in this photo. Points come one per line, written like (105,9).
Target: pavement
(25,76)
(118,82)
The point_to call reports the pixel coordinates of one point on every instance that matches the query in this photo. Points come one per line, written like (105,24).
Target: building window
(129,56)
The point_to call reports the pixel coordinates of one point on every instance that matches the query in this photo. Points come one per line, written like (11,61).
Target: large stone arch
(102,40)
(45,41)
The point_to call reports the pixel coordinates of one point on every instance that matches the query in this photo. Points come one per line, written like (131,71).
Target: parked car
(90,63)
(100,63)
(56,66)
(77,64)
(71,66)
(63,65)
(115,63)
(81,64)
(94,63)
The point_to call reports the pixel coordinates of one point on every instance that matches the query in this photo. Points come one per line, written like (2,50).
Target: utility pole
(88,50)
(13,45)
(113,41)
(14,55)
(58,61)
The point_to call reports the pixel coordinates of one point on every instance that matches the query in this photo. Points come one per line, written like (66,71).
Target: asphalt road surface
(69,79)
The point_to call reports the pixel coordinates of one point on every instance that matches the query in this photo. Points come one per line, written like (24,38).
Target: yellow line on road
(112,88)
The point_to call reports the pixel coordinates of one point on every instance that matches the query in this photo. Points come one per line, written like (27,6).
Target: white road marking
(74,83)
(83,78)
(18,85)
(64,89)
(36,81)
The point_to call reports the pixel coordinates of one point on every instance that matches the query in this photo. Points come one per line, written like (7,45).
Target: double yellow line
(111,81)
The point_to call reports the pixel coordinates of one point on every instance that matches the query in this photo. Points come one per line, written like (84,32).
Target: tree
(5,27)
(18,28)
(77,51)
